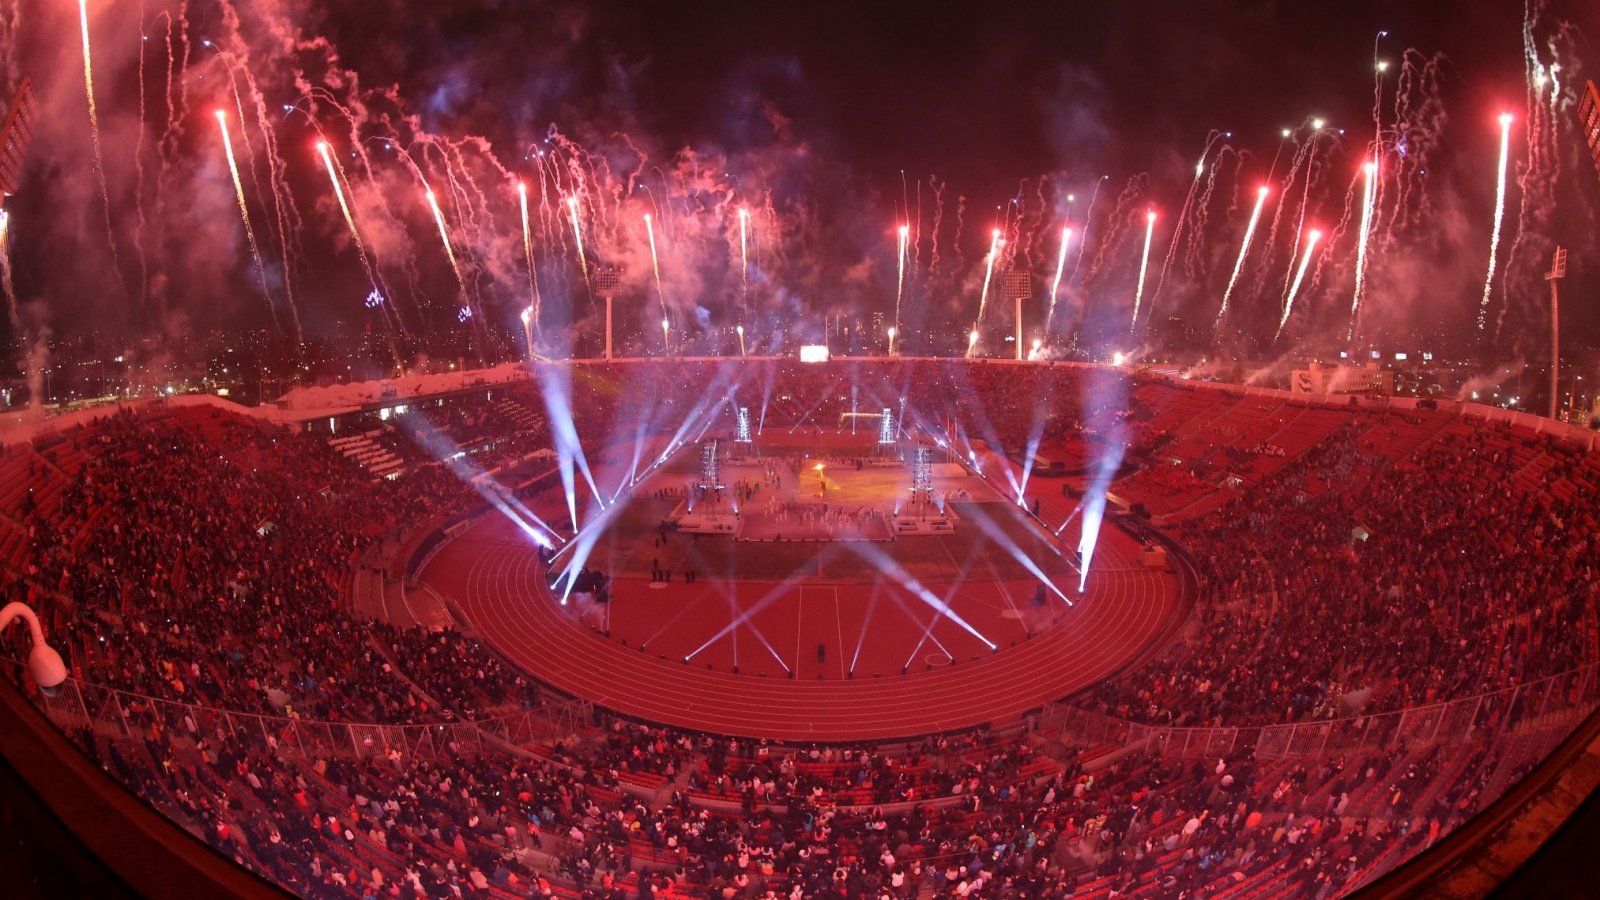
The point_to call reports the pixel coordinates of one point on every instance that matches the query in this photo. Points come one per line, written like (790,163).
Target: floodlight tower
(1558,271)
(742,435)
(606,280)
(886,427)
(1019,287)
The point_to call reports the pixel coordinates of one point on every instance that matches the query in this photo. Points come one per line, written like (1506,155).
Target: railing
(1467,719)
(77,705)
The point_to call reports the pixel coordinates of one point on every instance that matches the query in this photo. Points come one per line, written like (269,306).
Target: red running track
(493,575)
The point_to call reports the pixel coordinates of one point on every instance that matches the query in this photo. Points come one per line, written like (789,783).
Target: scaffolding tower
(710,477)
(922,475)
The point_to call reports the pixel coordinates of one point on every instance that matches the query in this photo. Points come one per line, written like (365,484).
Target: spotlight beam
(555,387)
(770,597)
(1035,437)
(994,533)
(861,639)
(827,392)
(894,570)
(450,455)
(927,630)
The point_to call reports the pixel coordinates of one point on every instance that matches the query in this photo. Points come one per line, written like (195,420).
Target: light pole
(1558,271)
(606,281)
(1019,285)
(44,663)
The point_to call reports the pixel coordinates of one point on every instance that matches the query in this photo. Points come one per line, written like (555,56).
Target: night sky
(984,94)
(827,104)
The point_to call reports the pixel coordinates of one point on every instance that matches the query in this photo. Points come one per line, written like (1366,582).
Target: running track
(494,577)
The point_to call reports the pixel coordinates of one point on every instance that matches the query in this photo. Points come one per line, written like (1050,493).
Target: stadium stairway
(364,450)
(519,414)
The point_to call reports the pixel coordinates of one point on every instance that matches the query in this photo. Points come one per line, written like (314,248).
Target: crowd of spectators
(204,560)
(1424,577)
(200,558)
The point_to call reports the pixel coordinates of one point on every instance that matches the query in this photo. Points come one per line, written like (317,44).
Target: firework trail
(94,130)
(1351,201)
(462,202)
(344,207)
(1194,258)
(527,252)
(138,179)
(1088,219)
(1376,148)
(988,271)
(444,237)
(1183,213)
(244,213)
(1499,213)
(937,190)
(1263,268)
(1278,154)
(285,216)
(1144,263)
(391,316)
(1122,219)
(1299,276)
(655,265)
(577,235)
(744,254)
(352,117)
(1055,285)
(169,135)
(1416,132)
(900,284)
(1540,167)
(916,232)
(175,94)
(422,180)
(552,219)
(1244,250)
(5,274)
(1367,197)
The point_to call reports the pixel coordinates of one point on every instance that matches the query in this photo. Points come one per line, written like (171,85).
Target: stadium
(357,668)
(595,449)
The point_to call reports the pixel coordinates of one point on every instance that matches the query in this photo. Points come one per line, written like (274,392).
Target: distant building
(1323,378)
